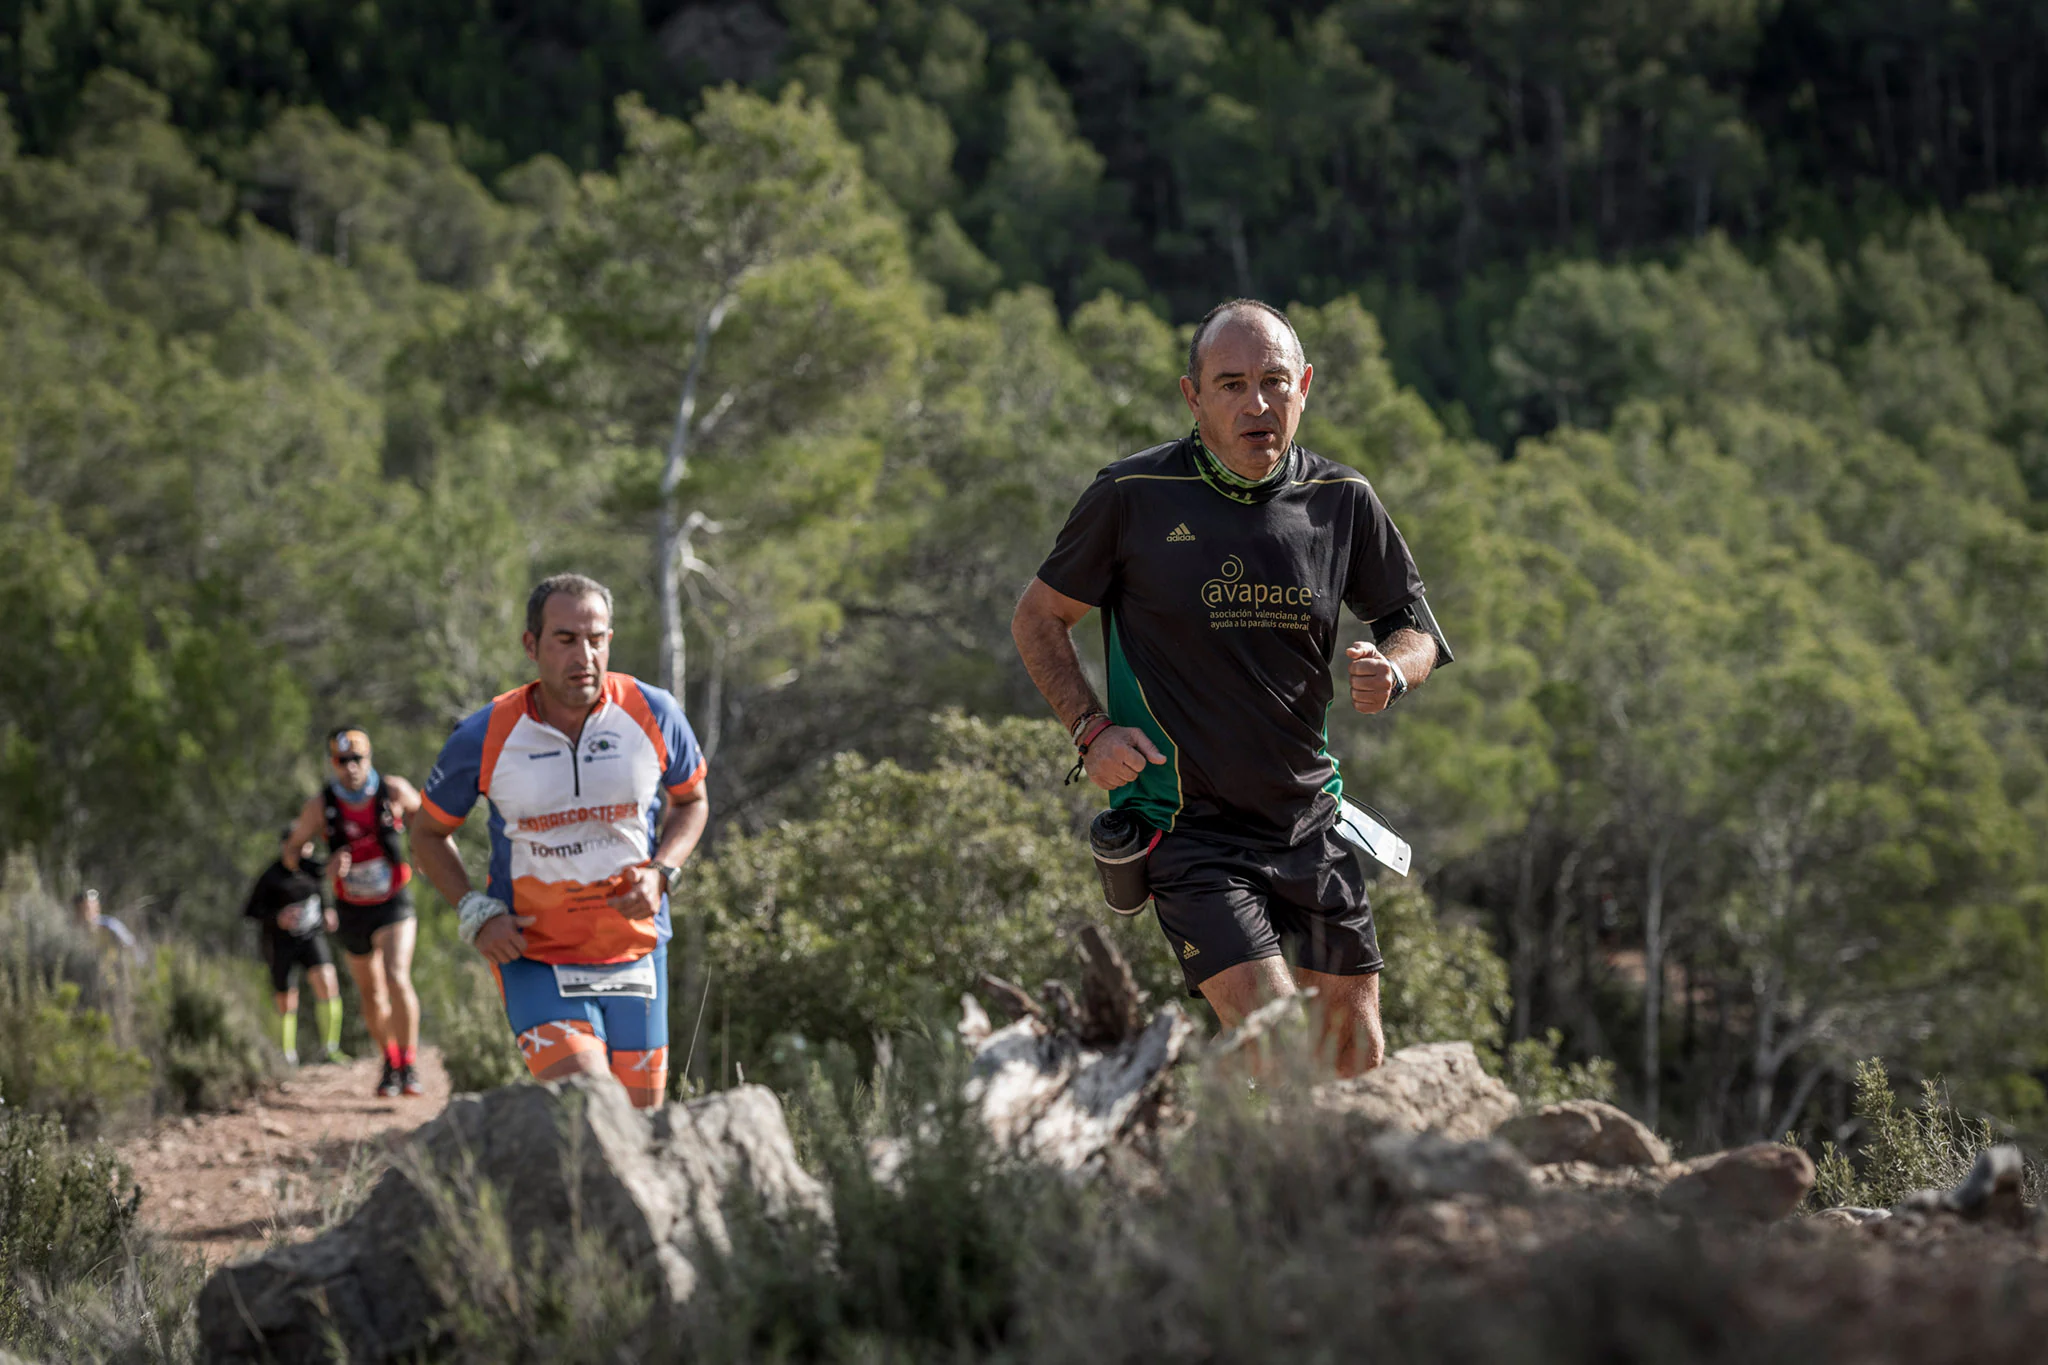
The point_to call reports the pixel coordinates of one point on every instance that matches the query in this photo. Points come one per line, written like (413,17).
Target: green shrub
(92,1033)
(927,1262)
(206,1029)
(895,889)
(462,1012)
(1531,1070)
(79,1279)
(1444,982)
(1928,1146)
(61,1057)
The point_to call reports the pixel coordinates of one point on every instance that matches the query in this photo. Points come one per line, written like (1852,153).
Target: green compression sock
(329,1012)
(288,1031)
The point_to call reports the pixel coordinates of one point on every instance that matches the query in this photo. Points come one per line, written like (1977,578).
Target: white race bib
(1380,844)
(605,983)
(301,918)
(368,882)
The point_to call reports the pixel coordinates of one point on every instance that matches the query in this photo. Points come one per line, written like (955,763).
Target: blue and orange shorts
(555,1032)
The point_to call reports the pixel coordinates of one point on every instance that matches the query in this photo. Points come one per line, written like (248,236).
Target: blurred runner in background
(286,902)
(363,814)
(104,930)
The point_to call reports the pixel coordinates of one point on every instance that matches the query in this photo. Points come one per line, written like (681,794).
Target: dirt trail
(224,1184)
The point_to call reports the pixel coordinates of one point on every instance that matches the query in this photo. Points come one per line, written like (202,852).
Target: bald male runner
(1219,563)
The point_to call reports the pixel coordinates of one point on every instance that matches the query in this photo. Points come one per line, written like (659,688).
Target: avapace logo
(1229,589)
(1234,601)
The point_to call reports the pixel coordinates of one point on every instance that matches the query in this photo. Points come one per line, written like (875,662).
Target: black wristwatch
(670,876)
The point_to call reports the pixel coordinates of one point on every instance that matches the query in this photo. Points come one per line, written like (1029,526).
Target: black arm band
(1415,616)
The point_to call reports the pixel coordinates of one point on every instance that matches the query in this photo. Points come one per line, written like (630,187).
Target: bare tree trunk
(1522,968)
(1560,180)
(1606,199)
(1765,1059)
(1887,150)
(1801,1093)
(673,529)
(1517,134)
(1240,254)
(1988,98)
(1468,217)
(1653,976)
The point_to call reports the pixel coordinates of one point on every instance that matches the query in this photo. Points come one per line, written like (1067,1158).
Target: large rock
(1760,1183)
(1432,1087)
(1584,1130)
(572,1154)
(1411,1167)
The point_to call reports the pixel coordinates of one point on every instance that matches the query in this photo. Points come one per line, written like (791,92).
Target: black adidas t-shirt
(1220,621)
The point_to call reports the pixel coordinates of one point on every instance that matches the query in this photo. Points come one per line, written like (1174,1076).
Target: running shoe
(387,1085)
(409,1080)
(291,1058)
(334,1056)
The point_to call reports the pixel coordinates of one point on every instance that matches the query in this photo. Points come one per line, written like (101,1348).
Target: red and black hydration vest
(369,829)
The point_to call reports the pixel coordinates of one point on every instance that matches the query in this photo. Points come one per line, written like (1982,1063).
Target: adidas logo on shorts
(1180,532)
(1188,950)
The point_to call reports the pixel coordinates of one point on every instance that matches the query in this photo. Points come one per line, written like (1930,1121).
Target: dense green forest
(1698,350)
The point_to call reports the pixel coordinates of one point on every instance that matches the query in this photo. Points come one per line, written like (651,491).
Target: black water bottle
(1122,842)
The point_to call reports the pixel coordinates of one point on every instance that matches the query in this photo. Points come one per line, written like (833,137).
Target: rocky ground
(1422,1198)
(276,1169)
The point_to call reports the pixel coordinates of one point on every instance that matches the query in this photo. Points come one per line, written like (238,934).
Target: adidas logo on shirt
(1180,532)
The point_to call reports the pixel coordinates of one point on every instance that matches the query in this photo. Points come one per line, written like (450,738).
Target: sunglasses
(348,760)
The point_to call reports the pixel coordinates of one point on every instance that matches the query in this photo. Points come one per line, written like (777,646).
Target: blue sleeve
(451,789)
(685,771)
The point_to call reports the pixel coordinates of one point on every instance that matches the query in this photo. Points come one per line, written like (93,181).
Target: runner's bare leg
(1349,1010)
(368,971)
(394,945)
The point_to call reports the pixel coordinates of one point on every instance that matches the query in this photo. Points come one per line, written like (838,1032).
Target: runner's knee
(562,1047)
(644,1074)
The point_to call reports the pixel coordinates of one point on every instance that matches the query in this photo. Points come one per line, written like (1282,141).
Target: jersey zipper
(575,774)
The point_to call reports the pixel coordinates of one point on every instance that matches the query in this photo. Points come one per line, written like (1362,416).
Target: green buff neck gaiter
(1236,487)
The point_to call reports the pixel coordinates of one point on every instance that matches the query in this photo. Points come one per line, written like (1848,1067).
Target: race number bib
(626,979)
(368,882)
(300,919)
(1379,843)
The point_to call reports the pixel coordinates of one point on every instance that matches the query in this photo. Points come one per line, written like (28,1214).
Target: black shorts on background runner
(358,922)
(286,951)
(1222,904)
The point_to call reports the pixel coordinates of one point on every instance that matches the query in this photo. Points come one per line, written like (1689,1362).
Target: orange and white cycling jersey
(570,819)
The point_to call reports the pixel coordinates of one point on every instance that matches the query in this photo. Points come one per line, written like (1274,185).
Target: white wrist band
(475,911)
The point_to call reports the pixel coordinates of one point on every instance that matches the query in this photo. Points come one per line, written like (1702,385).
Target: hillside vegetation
(330,328)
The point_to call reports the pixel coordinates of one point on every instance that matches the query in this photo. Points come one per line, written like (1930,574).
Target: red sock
(392,1055)
(411,1055)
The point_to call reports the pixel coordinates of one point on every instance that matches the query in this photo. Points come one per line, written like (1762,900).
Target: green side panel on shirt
(1155,793)
(1335,786)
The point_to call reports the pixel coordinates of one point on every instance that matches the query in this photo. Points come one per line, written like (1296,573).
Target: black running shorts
(287,951)
(358,922)
(1221,905)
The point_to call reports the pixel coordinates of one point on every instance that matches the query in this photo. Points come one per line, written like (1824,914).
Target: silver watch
(671,877)
(1400,683)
